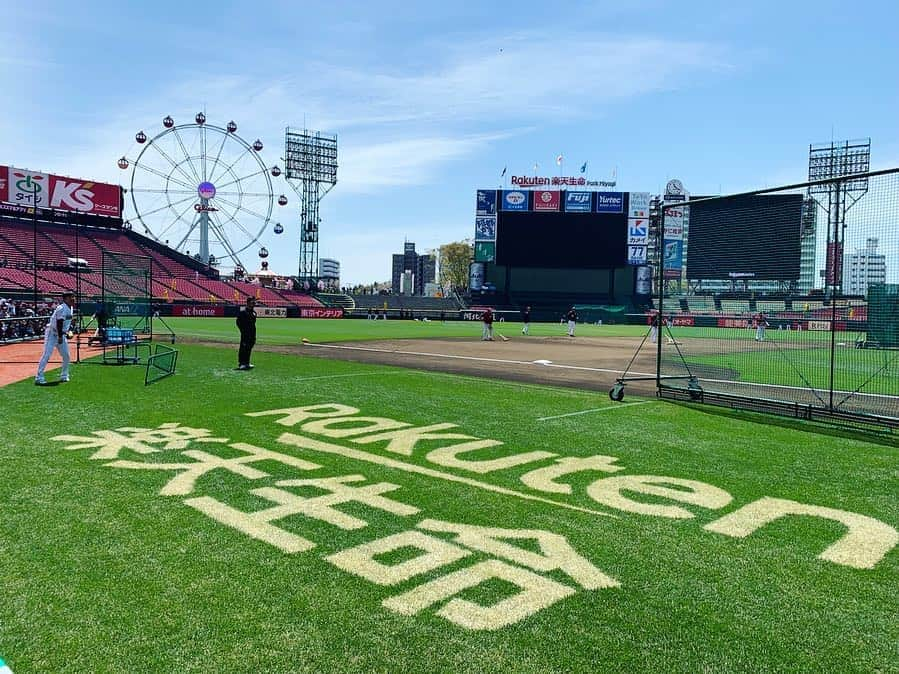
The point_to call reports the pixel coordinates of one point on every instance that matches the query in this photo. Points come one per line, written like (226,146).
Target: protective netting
(127,290)
(789,296)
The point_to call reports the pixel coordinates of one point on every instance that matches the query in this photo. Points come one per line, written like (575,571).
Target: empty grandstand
(39,257)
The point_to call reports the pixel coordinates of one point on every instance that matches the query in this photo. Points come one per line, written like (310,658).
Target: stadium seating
(735,307)
(701,304)
(176,277)
(769,306)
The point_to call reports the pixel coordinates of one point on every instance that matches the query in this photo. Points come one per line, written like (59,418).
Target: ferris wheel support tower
(310,166)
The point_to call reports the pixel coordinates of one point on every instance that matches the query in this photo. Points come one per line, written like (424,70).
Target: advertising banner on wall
(610,202)
(486,202)
(636,255)
(485,228)
(515,200)
(547,200)
(637,232)
(476,275)
(32,188)
(484,251)
(674,258)
(674,224)
(271,312)
(578,202)
(208,311)
(638,205)
(321,312)
(643,281)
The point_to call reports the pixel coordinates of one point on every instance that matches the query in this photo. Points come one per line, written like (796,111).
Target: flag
(536,166)
(504,172)
(559,160)
(584,167)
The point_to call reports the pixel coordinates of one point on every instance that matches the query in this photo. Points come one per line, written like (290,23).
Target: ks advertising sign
(44,190)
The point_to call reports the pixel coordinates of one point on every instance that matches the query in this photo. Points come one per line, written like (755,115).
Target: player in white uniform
(55,338)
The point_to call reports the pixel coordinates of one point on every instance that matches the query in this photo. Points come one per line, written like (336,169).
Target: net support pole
(660,273)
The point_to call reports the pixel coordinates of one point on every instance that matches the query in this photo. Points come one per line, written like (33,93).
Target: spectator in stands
(55,338)
(526,320)
(487,320)
(246,323)
(572,321)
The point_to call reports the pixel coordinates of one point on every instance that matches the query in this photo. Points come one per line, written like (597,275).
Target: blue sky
(431,101)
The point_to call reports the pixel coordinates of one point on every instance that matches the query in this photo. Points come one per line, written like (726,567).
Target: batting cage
(782,300)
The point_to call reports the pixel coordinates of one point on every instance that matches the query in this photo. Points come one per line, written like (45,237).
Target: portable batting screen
(160,364)
(127,290)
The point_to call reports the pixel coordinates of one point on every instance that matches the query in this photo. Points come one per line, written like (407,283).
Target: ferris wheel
(204,191)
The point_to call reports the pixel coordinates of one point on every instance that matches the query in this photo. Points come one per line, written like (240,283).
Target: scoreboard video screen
(747,237)
(556,228)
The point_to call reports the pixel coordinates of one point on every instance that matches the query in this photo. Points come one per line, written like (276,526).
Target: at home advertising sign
(31,188)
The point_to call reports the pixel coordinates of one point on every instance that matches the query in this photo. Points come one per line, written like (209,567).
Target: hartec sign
(610,202)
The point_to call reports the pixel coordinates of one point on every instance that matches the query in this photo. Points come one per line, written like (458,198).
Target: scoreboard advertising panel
(575,229)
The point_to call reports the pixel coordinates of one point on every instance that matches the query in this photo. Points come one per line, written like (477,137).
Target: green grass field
(438,565)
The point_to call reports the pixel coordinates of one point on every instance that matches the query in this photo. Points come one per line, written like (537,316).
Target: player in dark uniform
(246,323)
(526,319)
(572,321)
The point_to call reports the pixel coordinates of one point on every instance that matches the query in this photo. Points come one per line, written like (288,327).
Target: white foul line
(475,358)
(597,409)
(338,376)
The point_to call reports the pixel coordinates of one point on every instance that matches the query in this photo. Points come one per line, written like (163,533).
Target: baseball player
(526,319)
(760,324)
(654,328)
(572,321)
(55,337)
(487,319)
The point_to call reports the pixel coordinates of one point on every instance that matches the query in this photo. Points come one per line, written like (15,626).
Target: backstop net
(784,300)
(127,291)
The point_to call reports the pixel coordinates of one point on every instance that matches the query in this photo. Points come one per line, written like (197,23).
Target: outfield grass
(100,572)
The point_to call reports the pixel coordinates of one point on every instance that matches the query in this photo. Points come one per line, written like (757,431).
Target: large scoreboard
(746,237)
(562,229)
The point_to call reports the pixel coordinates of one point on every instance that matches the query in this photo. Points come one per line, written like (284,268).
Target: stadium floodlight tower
(310,166)
(838,163)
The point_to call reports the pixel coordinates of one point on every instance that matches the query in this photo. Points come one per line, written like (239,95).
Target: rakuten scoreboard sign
(45,190)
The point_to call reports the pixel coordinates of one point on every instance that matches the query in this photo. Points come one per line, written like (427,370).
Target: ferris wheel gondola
(202,187)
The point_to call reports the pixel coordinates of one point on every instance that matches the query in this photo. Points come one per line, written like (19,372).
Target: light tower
(310,163)
(826,162)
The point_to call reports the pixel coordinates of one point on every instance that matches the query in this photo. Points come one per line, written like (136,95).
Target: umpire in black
(246,323)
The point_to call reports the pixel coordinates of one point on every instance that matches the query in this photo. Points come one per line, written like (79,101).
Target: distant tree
(453,262)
